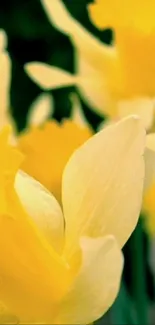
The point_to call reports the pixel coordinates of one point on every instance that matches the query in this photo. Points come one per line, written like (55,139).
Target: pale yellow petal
(102,184)
(97,65)
(143,107)
(47,76)
(97,283)
(40,110)
(100,58)
(150,141)
(82,39)
(92,84)
(149,161)
(46,152)
(77,114)
(42,207)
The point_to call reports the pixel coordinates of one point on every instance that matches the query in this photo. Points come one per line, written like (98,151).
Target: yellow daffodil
(56,273)
(90,77)
(46,161)
(47,150)
(119,79)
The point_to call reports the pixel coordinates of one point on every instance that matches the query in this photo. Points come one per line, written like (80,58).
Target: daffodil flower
(93,58)
(48,148)
(65,267)
(117,80)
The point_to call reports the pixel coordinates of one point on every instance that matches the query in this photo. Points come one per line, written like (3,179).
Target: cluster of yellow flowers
(117,80)
(69,200)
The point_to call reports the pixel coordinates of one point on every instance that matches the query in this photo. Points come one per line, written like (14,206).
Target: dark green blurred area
(32,38)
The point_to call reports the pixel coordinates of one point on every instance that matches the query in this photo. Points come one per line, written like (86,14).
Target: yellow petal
(32,275)
(134,28)
(143,107)
(40,110)
(99,61)
(103,183)
(82,39)
(48,149)
(42,207)
(9,163)
(97,283)
(149,161)
(138,73)
(122,13)
(92,84)
(150,141)
(77,115)
(6,317)
(48,77)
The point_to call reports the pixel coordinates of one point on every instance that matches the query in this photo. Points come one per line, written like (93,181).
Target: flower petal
(92,84)
(121,13)
(97,283)
(82,39)
(32,275)
(77,115)
(99,61)
(40,110)
(45,152)
(6,317)
(149,210)
(42,207)
(143,107)
(48,77)
(149,161)
(103,183)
